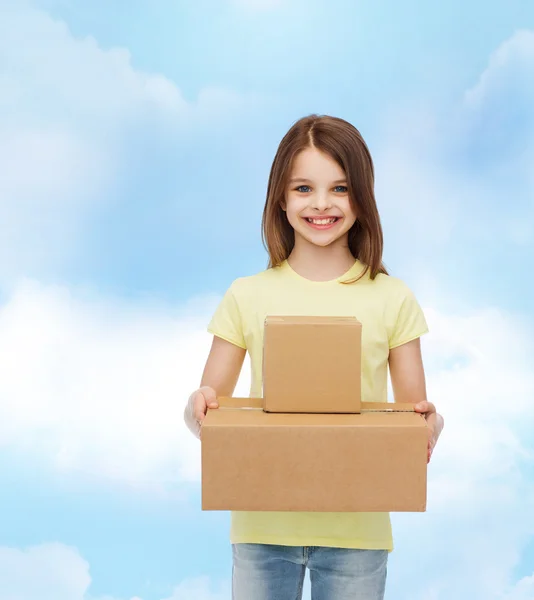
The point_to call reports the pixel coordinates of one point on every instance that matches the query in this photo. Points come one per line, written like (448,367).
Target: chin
(322,243)
(321,240)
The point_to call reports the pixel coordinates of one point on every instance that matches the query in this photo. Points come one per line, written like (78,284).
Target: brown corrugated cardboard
(312,365)
(256,461)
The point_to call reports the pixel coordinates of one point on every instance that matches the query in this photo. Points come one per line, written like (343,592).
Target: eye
(342,189)
(303,189)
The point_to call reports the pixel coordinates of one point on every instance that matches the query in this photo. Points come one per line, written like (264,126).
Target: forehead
(314,164)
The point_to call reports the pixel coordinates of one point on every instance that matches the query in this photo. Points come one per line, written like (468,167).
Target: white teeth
(322,221)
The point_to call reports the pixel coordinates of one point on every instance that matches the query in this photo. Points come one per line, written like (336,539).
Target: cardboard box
(312,365)
(258,461)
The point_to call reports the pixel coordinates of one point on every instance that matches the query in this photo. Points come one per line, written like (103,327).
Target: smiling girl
(323,234)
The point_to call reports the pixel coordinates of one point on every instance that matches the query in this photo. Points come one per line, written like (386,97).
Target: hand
(434,422)
(197,407)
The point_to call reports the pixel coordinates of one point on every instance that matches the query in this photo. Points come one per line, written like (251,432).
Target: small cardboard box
(312,365)
(258,461)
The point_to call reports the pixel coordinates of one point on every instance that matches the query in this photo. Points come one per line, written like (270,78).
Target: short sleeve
(407,320)
(226,322)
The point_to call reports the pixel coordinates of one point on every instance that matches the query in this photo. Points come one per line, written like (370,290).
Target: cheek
(293,207)
(292,216)
(351,211)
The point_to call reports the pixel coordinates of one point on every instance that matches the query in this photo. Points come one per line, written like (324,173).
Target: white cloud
(47,572)
(67,107)
(57,572)
(75,73)
(200,589)
(64,78)
(466,173)
(499,113)
(523,590)
(510,66)
(49,176)
(100,388)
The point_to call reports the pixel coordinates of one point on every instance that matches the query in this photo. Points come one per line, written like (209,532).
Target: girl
(322,230)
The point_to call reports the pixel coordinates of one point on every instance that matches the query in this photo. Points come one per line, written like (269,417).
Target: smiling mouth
(322,223)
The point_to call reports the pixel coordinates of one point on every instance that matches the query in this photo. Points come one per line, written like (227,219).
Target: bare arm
(219,378)
(223,367)
(409,385)
(407,373)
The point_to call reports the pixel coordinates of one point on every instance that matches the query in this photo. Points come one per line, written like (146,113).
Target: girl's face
(317,200)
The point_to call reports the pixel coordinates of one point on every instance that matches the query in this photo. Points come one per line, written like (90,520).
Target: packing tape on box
(367,407)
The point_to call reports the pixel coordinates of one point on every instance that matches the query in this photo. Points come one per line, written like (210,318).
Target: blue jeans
(265,572)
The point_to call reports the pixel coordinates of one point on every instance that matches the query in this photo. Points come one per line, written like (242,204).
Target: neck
(319,263)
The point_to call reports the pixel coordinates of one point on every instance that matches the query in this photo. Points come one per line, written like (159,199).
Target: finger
(200,407)
(430,420)
(199,426)
(210,397)
(425,407)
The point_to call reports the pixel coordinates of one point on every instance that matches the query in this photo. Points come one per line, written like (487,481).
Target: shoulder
(398,300)
(391,286)
(251,284)
(403,316)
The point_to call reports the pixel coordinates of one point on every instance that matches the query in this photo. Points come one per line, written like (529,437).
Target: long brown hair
(344,143)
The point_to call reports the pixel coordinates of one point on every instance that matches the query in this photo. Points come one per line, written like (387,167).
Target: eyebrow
(295,179)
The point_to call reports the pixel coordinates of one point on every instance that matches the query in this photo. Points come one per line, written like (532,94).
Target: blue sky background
(135,143)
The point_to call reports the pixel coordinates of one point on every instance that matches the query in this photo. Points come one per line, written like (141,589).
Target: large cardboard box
(258,461)
(312,364)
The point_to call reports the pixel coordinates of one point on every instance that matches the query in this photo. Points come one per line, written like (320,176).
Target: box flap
(388,407)
(225,402)
(257,418)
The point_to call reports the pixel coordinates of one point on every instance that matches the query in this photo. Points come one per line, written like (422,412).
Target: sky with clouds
(135,144)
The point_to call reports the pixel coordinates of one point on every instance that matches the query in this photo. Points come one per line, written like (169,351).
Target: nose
(321,201)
